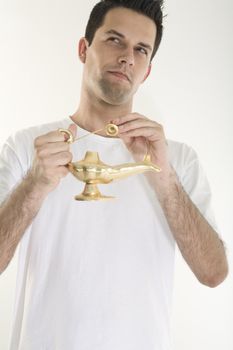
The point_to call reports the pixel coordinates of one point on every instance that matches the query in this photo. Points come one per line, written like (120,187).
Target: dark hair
(149,8)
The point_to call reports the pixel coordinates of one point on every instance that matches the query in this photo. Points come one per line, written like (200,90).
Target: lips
(120,75)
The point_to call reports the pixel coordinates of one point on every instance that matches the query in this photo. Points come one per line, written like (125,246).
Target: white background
(189,91)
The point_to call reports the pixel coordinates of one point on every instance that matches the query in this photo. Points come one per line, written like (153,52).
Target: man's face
(118,60)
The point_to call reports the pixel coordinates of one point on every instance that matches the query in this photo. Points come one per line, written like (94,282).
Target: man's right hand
(52,154)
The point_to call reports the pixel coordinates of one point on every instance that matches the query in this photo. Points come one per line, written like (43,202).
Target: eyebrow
(113,31)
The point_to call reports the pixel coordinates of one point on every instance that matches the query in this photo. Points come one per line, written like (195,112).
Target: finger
(62,171)
(73,129)
(127,117)
(52,136)
(127,140)
(150,133)
(137,123)
(70,133)
(61,158)
(52,148)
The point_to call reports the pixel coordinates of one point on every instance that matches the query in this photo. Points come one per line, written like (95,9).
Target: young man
(99,275)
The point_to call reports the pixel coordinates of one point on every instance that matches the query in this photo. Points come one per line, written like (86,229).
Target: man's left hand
(142,135)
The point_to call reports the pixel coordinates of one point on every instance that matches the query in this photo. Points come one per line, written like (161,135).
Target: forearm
(16,214)
(198,242)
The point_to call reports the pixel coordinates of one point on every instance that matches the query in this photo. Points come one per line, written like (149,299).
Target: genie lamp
(92,171)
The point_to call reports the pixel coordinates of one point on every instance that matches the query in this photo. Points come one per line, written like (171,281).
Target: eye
(142,50)
(114,39)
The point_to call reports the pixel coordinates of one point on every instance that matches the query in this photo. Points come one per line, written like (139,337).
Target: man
(98,275)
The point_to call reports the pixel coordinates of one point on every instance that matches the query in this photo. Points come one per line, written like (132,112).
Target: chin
(114,94)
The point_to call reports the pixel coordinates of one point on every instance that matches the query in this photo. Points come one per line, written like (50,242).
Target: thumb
(127,140)
(73,129)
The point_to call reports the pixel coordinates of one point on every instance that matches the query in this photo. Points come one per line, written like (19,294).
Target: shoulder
(181,155)
(29,134)
(188,167)
(20,145)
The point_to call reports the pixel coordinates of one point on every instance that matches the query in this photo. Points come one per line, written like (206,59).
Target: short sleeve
(17,154)
(196,185)
(12,167)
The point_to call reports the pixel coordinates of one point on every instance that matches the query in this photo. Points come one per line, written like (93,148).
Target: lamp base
(91,193)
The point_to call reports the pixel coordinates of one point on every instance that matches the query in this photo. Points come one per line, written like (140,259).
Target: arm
(198,242)
(16,214)
(19,209)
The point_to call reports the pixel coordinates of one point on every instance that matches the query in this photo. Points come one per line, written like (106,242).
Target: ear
(82,49)
(147,73)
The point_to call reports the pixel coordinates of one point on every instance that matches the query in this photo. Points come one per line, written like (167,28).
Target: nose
(127,58)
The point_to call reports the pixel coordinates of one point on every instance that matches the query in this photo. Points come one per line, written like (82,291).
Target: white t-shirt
(96,275)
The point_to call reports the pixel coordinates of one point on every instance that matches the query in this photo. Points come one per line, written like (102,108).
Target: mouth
(120,75)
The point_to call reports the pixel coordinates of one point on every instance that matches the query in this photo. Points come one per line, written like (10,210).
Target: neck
(93,114)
